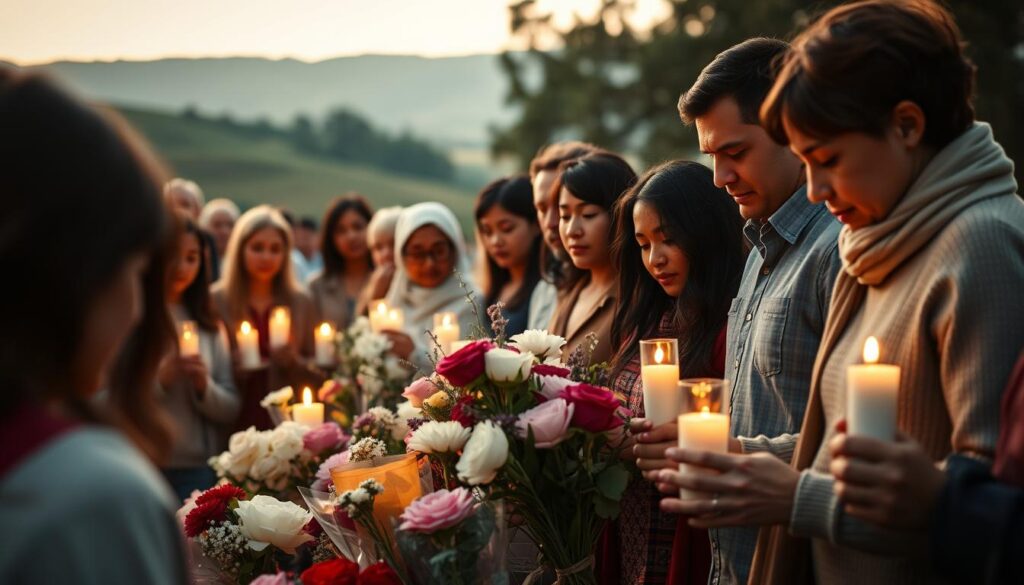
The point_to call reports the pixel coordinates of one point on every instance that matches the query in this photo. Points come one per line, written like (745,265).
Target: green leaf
(612,482)
(605,507)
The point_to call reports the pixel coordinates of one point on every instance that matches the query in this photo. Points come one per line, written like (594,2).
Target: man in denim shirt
(777,317)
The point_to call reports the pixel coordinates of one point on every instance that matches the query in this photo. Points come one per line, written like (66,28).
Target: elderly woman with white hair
(431,257)
(218,218)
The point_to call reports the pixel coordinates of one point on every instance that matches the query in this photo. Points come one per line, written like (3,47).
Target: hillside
(252,171)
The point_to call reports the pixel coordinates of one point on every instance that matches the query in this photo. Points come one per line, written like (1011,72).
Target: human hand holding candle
(703,427)
(308,413)
(324,336)
(280,327)
(248,340)
(871,391)
(659,372)
(446,330)
(188,336)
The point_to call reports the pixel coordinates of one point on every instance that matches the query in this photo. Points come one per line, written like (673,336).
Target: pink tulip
(549,421)
(437,511)
(420,390)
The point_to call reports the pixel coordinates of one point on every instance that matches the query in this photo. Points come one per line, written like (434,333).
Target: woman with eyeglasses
(430,261)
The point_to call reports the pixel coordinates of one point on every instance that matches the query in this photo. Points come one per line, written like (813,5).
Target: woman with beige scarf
(875,99)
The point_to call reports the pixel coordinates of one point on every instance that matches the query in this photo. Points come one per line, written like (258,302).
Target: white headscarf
(418,303)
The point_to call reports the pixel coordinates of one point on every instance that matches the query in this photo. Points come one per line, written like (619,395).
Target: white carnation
(538,342)
(439,437)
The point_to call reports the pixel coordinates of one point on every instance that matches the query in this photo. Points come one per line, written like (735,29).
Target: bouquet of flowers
(333,572)
(367,374)
(240,536)
(542,436)
(274,461)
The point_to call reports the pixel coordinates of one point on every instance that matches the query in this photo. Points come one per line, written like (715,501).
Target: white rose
(270,467)
(244,448)
(406,411)
(551,386)
(439,437)
(265,520)
(540,343)
(484,454)
(278,397)
(505,365)
(285,443)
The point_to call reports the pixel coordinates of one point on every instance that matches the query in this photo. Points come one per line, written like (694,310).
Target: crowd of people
(852,192)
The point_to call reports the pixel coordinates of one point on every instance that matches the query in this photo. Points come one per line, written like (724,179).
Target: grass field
(251,171)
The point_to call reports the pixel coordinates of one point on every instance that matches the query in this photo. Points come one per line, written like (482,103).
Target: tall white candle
(659,372)
(446,330)
(324,336)
(309,413)
(188,345)
(248,345)
(703,431)
(871,391)
(280,327)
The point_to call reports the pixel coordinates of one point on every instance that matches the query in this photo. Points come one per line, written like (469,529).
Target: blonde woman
(258,277)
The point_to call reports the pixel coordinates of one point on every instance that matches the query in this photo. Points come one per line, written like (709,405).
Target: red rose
(465,365)
(339,571)
(378,574)
(462,412)
(211,507)
(551,370)
(595,408)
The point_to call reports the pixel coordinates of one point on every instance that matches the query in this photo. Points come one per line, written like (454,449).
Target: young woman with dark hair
(75,479)
(258,277)
(588,189)
(198,389)
(507,231)
(347,260)
(875,99)
(680,251)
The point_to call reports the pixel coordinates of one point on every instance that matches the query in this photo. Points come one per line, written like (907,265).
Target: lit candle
(659,371)
(459,344)
(189,339)
(446,330)
(309,413)
(871,390)
(394,320)
(378,312)
(324,335)
(703,427)
(280,327)
(248,346)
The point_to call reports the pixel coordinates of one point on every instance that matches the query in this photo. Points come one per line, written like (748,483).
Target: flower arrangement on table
(275,461)
(504,418)
(367,374)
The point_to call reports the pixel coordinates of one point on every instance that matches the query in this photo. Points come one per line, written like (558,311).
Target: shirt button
(748,317)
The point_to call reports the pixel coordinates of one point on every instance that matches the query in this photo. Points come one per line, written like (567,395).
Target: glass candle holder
(659,372)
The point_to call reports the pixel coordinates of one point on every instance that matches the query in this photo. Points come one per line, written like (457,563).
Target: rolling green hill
(251,171)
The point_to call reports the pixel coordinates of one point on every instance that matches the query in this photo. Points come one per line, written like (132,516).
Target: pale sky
(38,31)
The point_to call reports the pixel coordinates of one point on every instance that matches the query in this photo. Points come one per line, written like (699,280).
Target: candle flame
(382,308)
(705,410)
(871,351)
(325,328)
(186,335)
(307,396)
(446,321)
(280,314)
(659,355)
(245,328)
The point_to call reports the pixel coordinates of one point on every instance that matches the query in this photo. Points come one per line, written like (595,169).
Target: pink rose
(437,511)
(596,408)
(323,475)
(551,386)
(465,365)
(280,578)
(549,422)
(420,390)
(551,370)
(324,437)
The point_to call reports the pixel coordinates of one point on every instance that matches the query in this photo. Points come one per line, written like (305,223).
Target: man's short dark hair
(744,72)
(307,222)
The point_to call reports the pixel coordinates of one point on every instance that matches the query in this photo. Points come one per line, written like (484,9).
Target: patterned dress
(656,547)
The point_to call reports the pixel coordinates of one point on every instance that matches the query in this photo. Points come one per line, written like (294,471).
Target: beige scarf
(970,169)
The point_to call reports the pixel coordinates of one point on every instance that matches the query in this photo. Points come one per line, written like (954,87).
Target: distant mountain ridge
(450,101)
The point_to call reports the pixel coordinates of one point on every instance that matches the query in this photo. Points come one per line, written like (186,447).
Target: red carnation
(211,507)
(551,370)
(378,574)
(462,412)
(339,571)
(465,365)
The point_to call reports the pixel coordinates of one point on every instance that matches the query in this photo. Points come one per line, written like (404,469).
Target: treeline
(348,137)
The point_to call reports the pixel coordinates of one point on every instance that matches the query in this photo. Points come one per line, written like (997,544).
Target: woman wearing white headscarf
(429,250)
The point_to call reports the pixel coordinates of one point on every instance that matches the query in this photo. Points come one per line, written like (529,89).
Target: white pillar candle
(308,413)
(446,330)
(378,314)
(659,372)
(324,336)
(459,344)
(248,346)
(871,391)
(701,431)
(280,327)
(188,345)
